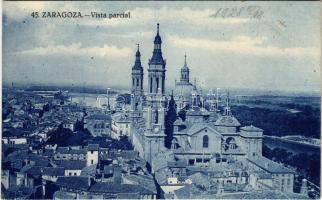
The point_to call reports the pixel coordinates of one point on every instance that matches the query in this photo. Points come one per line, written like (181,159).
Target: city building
(120,125)
(98,124)
(205,143)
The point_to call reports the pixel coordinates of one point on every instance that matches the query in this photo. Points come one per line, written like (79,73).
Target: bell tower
(137,91)
(156,103)
(137,74)
(156,76)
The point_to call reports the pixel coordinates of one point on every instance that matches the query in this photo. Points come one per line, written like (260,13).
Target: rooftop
(227,120)
(73,182)
(53,171)
(263,194)
(93,147)
(107,187)
(99,117)
(269,165)
(72,164)
(251,128)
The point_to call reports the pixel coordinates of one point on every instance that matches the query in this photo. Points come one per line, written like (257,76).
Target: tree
(79,125)
(170,118)
(66,137)
(46,107)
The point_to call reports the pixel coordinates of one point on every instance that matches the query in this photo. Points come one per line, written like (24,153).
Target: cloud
(20,10)
(244,45)
(108,51)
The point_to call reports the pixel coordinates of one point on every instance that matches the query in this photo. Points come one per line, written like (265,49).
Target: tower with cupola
(137,91)
(156,101)
(185,71)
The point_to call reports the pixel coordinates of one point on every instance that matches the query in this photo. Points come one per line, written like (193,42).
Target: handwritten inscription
(254,12)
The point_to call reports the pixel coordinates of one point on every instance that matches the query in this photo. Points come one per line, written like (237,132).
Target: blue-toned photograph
(161,100)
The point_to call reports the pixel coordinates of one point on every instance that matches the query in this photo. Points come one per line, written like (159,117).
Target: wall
(91,158)
(214,141)
(67,172)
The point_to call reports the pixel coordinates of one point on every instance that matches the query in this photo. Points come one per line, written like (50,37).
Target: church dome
(227,120)
(183,89)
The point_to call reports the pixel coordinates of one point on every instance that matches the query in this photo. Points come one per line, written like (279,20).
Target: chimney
(89,181)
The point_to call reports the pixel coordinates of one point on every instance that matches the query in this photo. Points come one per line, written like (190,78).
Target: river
(290,146)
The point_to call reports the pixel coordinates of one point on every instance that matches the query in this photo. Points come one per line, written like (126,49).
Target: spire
(185,59)
(138,54)
(137,64)
(157,39)
(158,28)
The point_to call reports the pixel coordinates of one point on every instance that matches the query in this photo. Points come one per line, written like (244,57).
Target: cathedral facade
(148,120)
(202,136)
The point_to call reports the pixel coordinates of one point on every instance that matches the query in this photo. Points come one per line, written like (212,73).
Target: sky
(279,50)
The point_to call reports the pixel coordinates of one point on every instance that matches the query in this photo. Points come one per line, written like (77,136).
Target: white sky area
(280,51)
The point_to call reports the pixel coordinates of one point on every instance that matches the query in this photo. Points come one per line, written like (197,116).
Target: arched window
(205,141)
(156,117)
(151,84)
(157,80)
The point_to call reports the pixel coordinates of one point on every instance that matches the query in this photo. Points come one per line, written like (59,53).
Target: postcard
(161,100)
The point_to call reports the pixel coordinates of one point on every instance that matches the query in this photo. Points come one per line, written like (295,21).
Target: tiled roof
(17,159)
(106,187)
(128,196)
(72,164)
(197,111)
(16,192)
(264,176)
(200,179)
(121,117)
(196,127)
(67,150)
(264,194)
(227,120)
(177,164)
(99,117)
(63,195)
(269,165)
(191,191)
(32,170)
(53,171)
(145,181)
(93,147)
(251,128)
(73,182)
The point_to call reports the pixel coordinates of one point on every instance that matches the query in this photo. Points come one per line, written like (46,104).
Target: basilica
(204,134)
